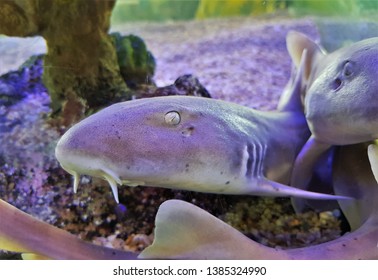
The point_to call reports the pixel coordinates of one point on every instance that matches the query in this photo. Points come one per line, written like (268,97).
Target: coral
(136,63)
(81,63)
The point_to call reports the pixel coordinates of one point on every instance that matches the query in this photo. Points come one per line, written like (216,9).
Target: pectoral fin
(270,188)
(304,167)
(352,176)
(373,158)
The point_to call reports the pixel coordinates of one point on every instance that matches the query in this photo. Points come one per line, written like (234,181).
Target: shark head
(341,102)
(162,141)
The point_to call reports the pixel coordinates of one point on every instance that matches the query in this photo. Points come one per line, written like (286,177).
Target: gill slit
(255,153)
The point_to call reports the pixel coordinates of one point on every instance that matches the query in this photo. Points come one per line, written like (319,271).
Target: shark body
(191,143)
(20,232)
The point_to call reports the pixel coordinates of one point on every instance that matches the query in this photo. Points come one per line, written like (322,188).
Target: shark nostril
(188,131)
(336,84)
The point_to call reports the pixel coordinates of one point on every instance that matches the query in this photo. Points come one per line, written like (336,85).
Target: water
(235,48)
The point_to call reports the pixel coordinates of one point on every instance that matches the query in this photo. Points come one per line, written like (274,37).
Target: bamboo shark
(185,231)
(191,143)
(340,99)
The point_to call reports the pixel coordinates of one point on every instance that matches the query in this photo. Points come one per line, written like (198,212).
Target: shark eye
(172,118)
(348,69)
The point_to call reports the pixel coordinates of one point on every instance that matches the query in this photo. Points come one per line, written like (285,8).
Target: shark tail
(185,231)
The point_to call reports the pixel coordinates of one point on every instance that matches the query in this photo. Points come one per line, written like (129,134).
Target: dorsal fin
(291,98)
(296,42)
(185,231)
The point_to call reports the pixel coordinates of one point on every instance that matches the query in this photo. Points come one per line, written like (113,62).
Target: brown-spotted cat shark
(340,99)
(191,143)
(185,231)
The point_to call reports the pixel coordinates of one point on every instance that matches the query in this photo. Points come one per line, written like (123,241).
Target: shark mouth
(108,175)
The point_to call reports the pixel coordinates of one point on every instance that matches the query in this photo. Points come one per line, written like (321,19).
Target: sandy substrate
(243,60)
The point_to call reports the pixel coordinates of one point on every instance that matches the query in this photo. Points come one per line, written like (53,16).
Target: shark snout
(77,161)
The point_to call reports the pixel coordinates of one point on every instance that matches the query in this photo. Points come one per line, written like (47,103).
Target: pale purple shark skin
(339,89)
(341,102)
(191,143)
(185,231)
(217,147)
(339,99)
(353,176)
(36,239)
